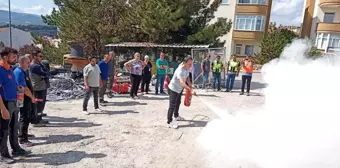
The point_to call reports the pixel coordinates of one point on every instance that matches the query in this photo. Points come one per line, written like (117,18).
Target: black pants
(9,129)
(41,101)
(146,83)
(25,119)
(102,90)
(94,91)
(135,81)
(174,103)
(244,79)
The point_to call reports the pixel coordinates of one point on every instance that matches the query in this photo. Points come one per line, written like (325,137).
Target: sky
(285,12)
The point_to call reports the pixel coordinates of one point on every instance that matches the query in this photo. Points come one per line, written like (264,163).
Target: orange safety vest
(247,69)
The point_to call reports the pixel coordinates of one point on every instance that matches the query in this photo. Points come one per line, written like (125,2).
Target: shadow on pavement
(54,159)
(194,123)
(52,139)
(155,98)
(207,95)
(253,85)
(125,103)
(62,119)
(74,124)
(107,112)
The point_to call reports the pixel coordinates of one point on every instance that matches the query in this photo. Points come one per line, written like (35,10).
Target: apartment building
(250,20)
(321,23)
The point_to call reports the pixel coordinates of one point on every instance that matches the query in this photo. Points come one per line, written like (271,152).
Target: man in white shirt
(177,84)
(92,82)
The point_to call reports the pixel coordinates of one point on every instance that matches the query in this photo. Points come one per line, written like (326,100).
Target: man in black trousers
(39,76)
(22,79)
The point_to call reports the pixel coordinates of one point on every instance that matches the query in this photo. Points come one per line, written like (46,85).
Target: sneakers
(98,110)
(86,112)
(248,94)
(26,143)
(44,114)
(6,159)
(179,118)
(242,93)
(173,125)
(21,152)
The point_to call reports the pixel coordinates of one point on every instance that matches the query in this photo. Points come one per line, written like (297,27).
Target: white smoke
(299,125)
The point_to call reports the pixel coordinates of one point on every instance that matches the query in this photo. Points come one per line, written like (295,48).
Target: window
(249,51)
(225,2)
(325,41)
(238,49)
(249,22)
(329,17)
(262,2)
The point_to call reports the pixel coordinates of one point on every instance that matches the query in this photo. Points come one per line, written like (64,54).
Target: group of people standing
(142,71)
(98,80)
(233,68)
(27,76)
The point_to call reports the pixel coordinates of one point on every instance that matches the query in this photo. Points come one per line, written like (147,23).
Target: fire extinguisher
(166,82)
(187,99)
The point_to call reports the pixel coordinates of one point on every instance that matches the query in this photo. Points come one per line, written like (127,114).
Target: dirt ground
(129,133)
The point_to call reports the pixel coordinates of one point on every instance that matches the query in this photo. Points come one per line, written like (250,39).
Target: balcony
(329,3)
(251,9)
(328,27)
(247,35)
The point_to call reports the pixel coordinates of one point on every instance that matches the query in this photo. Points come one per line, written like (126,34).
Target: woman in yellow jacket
(247,69)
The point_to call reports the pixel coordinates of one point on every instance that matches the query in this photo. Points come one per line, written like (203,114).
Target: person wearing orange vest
(247,68)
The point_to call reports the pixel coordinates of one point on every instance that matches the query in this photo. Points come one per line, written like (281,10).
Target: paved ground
(129,133)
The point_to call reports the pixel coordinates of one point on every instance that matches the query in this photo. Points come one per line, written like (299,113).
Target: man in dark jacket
(111,73)
(39,74)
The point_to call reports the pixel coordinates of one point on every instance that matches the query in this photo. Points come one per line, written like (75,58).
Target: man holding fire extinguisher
(177,84)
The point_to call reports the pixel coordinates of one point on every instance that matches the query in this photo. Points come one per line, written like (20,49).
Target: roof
(3,29)
(146,44)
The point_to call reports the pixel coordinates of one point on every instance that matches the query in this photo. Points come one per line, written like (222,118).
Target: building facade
(250,21)
(321,23)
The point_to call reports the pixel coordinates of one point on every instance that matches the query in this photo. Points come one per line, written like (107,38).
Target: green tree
(91,23)
(272,45)
(2,44)
(54,54)
(98,22)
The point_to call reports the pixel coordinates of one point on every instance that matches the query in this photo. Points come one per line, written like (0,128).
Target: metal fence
(198,56)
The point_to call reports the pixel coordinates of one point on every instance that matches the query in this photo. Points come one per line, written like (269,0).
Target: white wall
(227,11)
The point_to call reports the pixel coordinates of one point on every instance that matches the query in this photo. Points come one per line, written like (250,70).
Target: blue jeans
(160,81)
(217,76)
(230,81)
(205,79)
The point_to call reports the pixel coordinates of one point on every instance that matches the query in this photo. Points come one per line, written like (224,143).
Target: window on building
(250,22)
(252,1)
(225,1)
(329,17)
(249,51)
(238,49)
(325,41)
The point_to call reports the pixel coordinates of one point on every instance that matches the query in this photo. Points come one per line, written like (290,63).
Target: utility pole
(10,23)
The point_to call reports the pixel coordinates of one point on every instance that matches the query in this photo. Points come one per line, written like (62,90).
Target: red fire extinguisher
(166,82)
(187,99)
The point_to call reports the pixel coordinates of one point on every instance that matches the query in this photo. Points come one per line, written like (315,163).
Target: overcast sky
(285,12)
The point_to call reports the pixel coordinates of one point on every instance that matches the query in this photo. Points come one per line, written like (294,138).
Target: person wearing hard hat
(216,68)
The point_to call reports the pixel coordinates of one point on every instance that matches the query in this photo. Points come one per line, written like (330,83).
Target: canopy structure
(154,45)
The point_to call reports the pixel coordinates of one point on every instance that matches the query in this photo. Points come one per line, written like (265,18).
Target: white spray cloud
(298,127)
